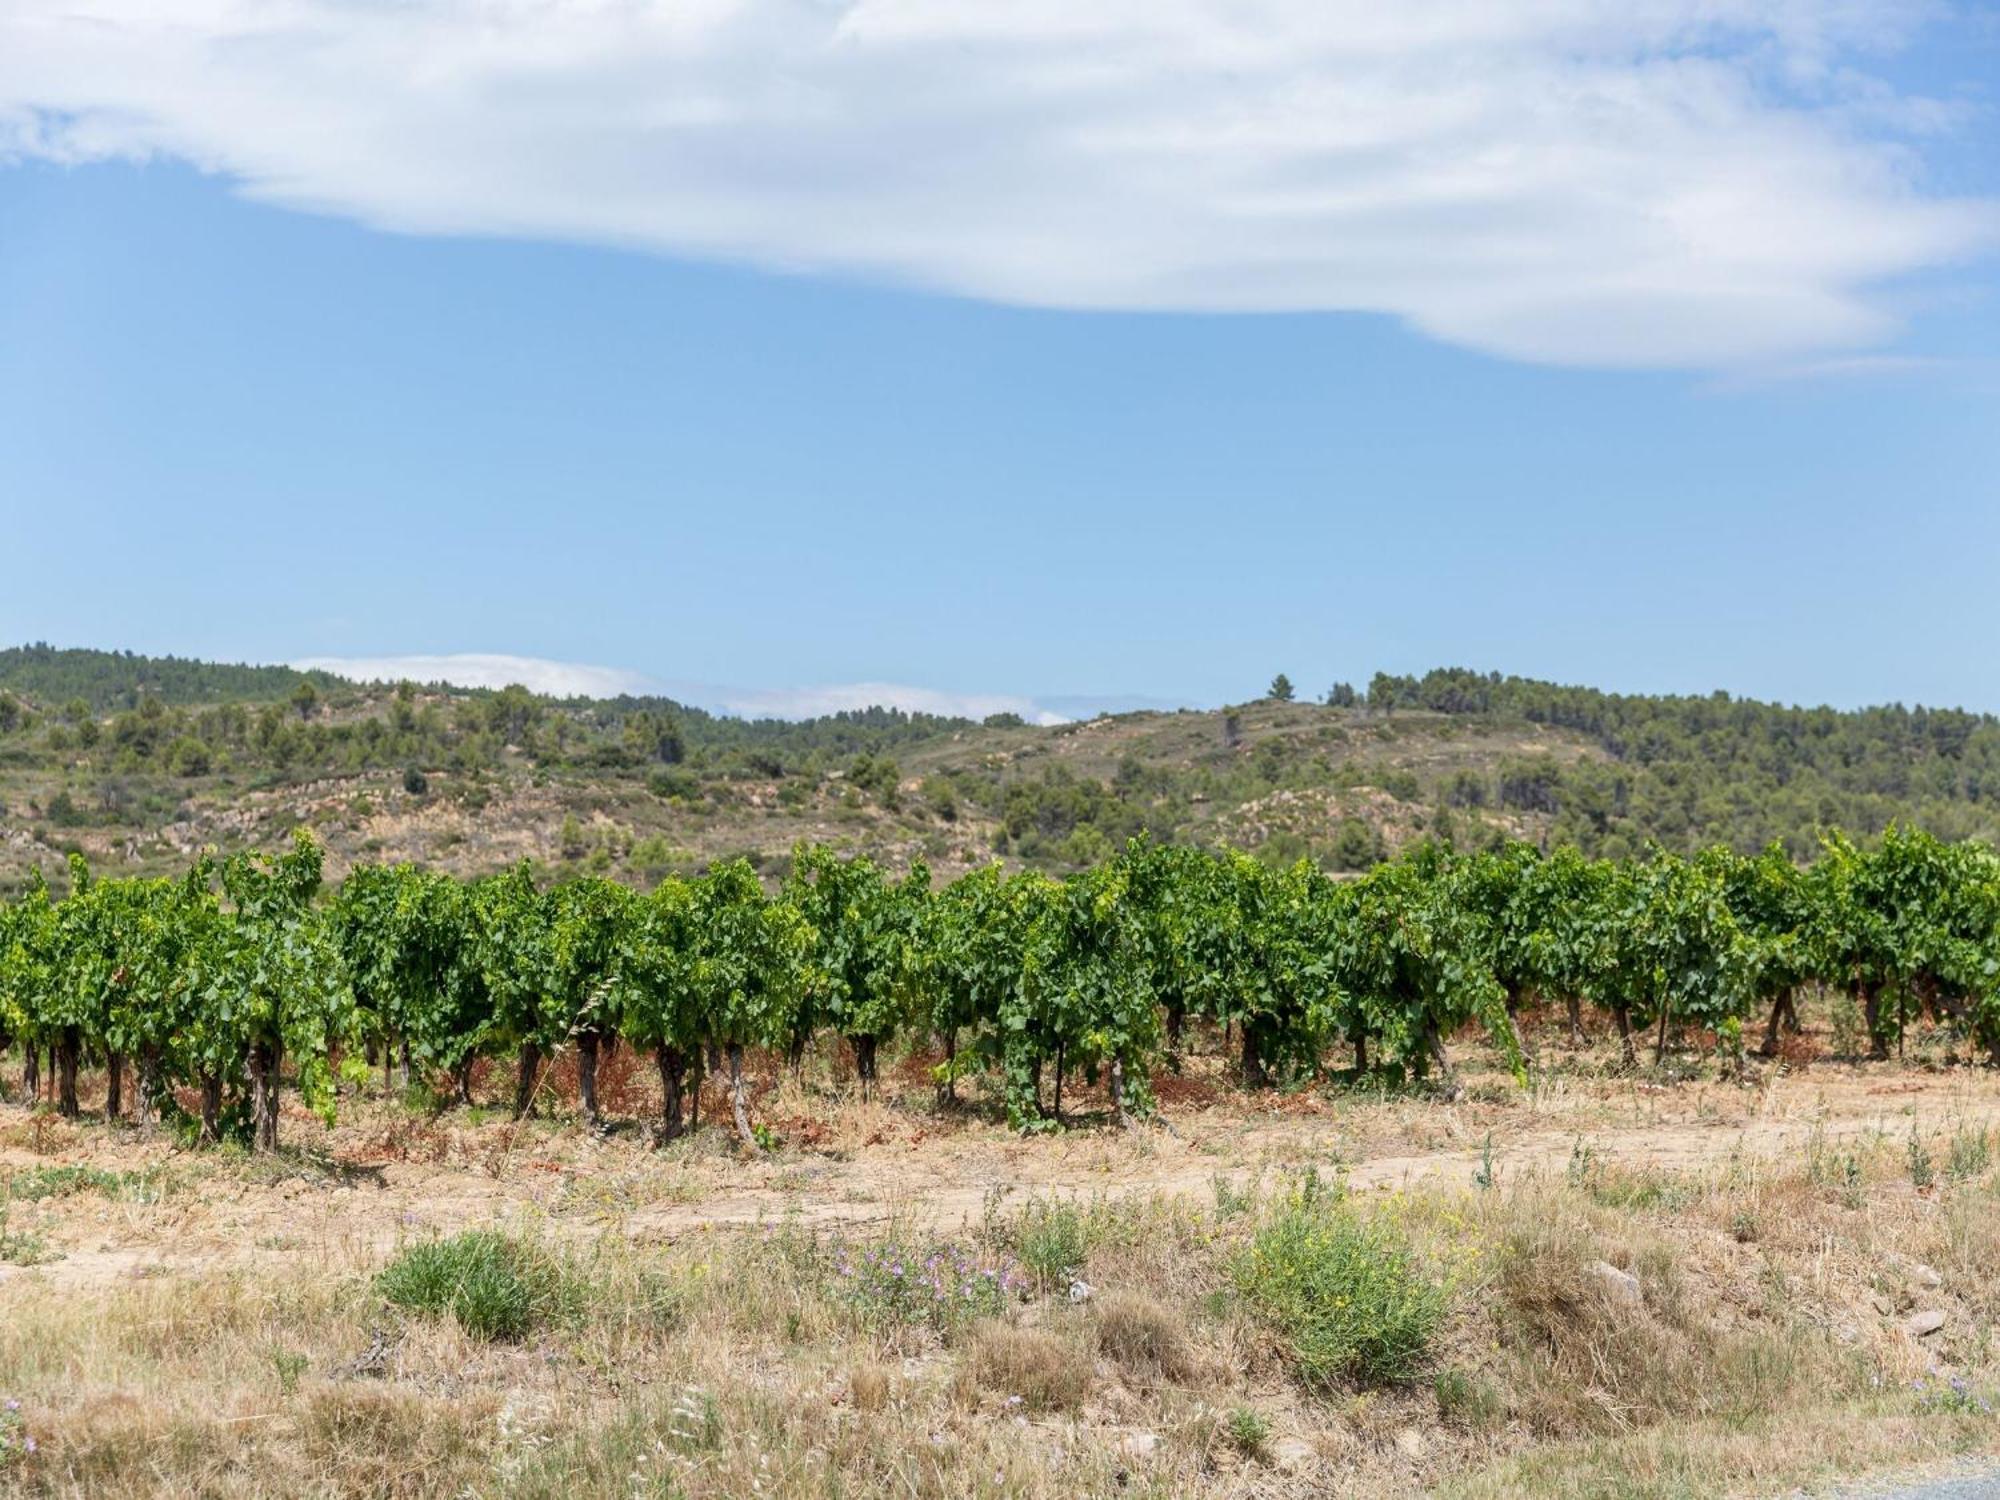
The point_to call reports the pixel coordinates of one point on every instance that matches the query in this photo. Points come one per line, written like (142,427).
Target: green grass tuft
(494,1287)
(1346,1293)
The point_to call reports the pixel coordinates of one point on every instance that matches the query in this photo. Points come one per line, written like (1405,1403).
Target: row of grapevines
(209,986)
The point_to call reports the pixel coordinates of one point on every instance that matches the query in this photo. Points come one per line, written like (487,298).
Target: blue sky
(266,398)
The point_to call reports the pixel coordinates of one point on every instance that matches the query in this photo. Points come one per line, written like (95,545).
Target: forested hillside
(140,762)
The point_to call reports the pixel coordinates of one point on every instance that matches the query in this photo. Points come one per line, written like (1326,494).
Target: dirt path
(962,1199)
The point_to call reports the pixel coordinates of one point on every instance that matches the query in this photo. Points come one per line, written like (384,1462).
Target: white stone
(1139,1444)
(1922,1325)
(1292,1453)
(1621,1287)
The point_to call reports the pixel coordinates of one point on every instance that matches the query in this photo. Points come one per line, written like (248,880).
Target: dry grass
(1142,1335)
(1767,1347)
(1029,1367)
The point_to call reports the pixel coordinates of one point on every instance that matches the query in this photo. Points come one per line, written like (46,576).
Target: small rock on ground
(1621,1287)
(1292,1453)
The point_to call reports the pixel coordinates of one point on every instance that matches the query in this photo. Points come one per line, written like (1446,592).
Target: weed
(1582,1163)
(1468,1399)
(1953,1397)
(945,1286)
(492,1286)
(1850,1181)
(289,1365)
(37,1183)
(1231,1201)
(1052,1239)
(694,1421)
(1248,1430)
(1346,1293)
(1971,1153)
(15,1444)
(1923,1171)
(20,1247)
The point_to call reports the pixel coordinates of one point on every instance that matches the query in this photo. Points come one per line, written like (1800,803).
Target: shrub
(1346,1293)
(188,756)
(492,1286)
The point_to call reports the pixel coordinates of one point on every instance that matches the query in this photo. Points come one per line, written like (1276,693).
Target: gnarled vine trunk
(261,1061)
(1784,1010)
(673,1081)
(68,1046)
(211,1109)
(1254,1075)
(151,1088)
(737,1102)
(586,1079)
(1436,1056)
(864,1062)
(1870,996)
(524,1080)
(114,1085)
(1118,1093)
(947,1084)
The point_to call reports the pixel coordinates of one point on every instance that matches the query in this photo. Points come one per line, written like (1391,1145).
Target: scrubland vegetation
(143,761)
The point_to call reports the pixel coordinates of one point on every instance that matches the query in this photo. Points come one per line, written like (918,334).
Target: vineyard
(216,989)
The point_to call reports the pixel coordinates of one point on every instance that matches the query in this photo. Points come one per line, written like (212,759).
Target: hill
(138,761)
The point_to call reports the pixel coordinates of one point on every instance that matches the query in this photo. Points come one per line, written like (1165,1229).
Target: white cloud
(475,669)
(812,702)
(569,679)
(1618,182)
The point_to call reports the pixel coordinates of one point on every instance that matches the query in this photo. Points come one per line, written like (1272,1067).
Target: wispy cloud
(569,679)
(812,702)
(1848,367)
(1602,182)
(476,669)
